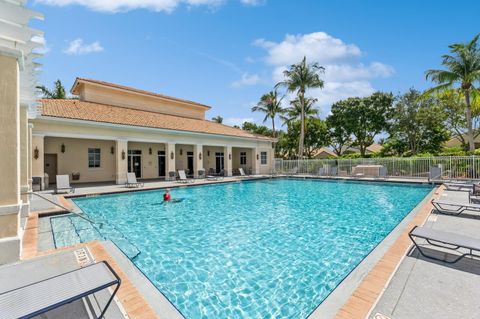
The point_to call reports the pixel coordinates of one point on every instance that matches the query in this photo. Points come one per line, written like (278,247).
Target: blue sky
(228,53)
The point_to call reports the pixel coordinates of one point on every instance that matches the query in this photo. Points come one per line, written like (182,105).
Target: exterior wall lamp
(200,155)
(208,153)
(181,152)
(230,156)
(172,155)
(258,157)
(123,154)
(36,153)
(112,150)
(62,148)
(150,150)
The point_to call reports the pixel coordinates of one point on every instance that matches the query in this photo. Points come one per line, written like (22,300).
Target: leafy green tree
(340,139)
(316,137)
(298,78)
(363,118)
(452,103)
(416,125)
(257,129)
(217,119)
(270,105)
(58,91)
(462,69)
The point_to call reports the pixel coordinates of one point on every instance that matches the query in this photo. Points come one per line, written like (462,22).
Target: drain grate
(82,257)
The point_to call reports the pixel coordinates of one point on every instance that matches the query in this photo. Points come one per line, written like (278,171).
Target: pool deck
(426,288)
(385,287)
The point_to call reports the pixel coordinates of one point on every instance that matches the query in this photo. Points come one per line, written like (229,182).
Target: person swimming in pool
(166,195)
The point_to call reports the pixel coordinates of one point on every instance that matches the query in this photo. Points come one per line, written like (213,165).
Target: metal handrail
(62,207)
(100,224)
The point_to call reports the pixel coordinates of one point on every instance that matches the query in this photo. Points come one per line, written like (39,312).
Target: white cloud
(237,121)
(345,75)
(253,3)
(246,80)
(317,46)
(44,49)
(77,47)
(153,5)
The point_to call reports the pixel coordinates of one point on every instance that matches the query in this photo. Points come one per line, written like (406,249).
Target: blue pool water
(263,249)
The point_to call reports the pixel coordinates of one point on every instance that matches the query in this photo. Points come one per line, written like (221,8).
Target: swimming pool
(260,249)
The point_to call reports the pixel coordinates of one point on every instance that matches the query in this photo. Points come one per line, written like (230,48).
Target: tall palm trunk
(302,124)
(470,138)
(274,135)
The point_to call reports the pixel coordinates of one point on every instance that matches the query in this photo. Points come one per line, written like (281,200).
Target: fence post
(473,169)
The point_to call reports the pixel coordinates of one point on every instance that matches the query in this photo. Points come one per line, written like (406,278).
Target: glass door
(190,163)
(135,162)
(219,162)
(161,164)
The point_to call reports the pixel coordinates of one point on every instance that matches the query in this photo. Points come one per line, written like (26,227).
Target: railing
(452,167)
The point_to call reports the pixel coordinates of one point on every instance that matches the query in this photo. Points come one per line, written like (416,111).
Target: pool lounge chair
(457,186)
(132,181)
(334,171)
(454,208)
(63,185)
(27,301)
(450,241)
(212,176)
(293,171)
(321,171)
(242,173)
(201,173)
(172,175)
(182,177)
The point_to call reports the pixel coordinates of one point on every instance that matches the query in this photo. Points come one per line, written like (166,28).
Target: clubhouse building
(112,129)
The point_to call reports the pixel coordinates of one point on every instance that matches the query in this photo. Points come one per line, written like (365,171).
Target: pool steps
(70,230)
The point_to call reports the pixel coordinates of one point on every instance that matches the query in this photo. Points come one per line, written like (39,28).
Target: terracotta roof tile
(88,111)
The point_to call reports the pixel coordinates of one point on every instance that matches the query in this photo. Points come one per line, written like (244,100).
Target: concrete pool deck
(426,288)
(355,305)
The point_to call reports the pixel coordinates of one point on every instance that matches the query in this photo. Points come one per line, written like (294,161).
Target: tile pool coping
(355,295)
(129,296)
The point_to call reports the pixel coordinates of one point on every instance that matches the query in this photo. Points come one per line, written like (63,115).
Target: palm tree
(463,68)
(294,111)
(271,106)
(217,119)
(300,77)
(57,93)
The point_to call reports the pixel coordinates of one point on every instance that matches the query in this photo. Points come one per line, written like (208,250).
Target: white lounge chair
(63,185)
(182,177)
(35,299)
(242,172)
(132,181)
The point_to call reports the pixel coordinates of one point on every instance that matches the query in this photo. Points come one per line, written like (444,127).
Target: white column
(169,159)
(30,156)
(24,186)
(255,161)
(197,159)
(227,153)
(10,202)
(121,153)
